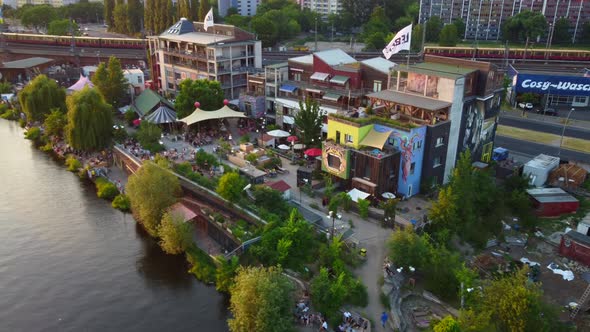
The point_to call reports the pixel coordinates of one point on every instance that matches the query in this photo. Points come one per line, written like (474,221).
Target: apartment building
(484,18)
(244,7)
(324,7)
(223,53)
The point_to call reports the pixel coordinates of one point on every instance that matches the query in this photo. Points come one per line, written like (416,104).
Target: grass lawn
(575,144)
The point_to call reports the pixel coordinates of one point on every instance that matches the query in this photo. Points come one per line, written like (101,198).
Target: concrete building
(324,7)
(484,18)
(223,53)
(136,81)
(244,7)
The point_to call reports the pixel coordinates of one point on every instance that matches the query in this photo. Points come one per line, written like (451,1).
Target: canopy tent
(162,114)
(356,195)
(278,133)
(313,152)
(199,115)
(82,82)
(376,139)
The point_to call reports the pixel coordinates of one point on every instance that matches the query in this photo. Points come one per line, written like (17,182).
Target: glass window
(347,138)
(376,86)
(333,161)
(412,168)
(436,162)
(440,141)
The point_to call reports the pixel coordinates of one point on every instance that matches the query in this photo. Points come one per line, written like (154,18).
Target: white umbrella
(388,195)
(298,146)
(278,133)
(283,147)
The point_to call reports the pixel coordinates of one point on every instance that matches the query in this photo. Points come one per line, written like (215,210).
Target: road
(544,125)
(534,149)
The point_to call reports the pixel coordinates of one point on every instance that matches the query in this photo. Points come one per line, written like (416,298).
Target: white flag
(208,21)
(401,41)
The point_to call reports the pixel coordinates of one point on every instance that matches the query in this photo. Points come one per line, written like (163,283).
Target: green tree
(434,26)
(62,27)
(407,249)
(261,300)
(149,135)
(363,205)
(183,8)
(203,9)
(448,35)
(266,29)
(460,27)
(375,41)
(38,17)
(5,87)
(109,10)
(111,82)
(271,200)
(148,16)
(328,294)
(416,42)
(309,122)
(378,24)
(135,16)
(151,191)
(561,32)
(40,96)
(55,122)
(208,93)
(361,9)
(226,272)
(90,121)
(524,26)
(584,36)
(194,12)
(121,20)
(231,186)
(175,234)
(447,324)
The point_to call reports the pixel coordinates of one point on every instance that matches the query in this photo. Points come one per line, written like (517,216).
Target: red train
(513,53)
(81,41)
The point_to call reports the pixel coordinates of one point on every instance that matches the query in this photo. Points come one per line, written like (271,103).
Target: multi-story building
(324,7)
(484,18)
(244,7)
(223,53)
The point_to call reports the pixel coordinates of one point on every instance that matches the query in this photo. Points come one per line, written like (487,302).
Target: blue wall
(555,85)
(411,145)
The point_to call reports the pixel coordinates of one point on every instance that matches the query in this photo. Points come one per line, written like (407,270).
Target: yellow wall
(357,133)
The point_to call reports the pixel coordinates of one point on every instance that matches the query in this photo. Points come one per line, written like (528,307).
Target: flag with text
(401,41)
(208,21)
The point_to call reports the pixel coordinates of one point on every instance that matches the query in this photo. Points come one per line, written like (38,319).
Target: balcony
(187,54)
(238,82)
(330,88)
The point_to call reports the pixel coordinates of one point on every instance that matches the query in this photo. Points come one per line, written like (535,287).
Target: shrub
(175,234)
(130,115)
(245,138)
(205,159)
(106,189)
(22,123)
(252,158)
(364,208)
(46,147)
(34,133)
(121,202)
(183,168)
(73,164)
(3,108)
(202,265)
(11,114)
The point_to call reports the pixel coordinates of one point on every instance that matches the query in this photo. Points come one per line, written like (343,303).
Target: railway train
(484,53)
(81,41)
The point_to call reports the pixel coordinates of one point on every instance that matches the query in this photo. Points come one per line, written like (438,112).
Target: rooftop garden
(372,119)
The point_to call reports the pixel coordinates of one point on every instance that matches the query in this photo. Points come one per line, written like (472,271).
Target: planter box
(246,147)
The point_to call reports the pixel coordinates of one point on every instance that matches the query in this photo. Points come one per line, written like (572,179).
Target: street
(534,149)
(546,125)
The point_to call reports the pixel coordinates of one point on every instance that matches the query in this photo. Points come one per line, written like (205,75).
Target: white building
(244,7)
(324,7)
(136,80)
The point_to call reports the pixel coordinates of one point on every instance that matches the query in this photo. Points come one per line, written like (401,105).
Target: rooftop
(335,57)
(304,59)
(550,195)
(281,186)
(543,161)
(410,99)
(578,237)
(147,100)
(26,63)
(381,64)
(196,37)
(437,69)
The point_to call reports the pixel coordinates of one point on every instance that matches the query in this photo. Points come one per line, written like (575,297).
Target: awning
(357,195)
(319,76)
(339,79)
(199,115)
(296,69)
(313,90)
(288,88)
(376,139)
(288,119)
(331,96)
(161,115)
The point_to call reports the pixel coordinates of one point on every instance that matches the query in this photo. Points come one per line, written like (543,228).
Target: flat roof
(26,63)
(437,69)
(278,65)
(578,237)
(380,64)
(196,37)
(335,57)
(543,161)
(304,59)
(551,195)
(410,99)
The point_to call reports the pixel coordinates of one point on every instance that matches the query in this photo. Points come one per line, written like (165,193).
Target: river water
(69,262)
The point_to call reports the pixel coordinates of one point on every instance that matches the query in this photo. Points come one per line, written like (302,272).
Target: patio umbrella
(292,139)
(283,147)
(161,115)
(278,133)
(136,122)
(388,195)
(298,146)
(313,152)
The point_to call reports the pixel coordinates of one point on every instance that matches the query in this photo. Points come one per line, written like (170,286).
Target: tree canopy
(90,120)
(524,26)
(448,35)
(561,32)
(231,186)
(38,17)
(261,300)
(434,26)
(55,122)
(151,191)
(208,93)
(62,27)
(175,234)
(111,82)
(309,122)
(40,96)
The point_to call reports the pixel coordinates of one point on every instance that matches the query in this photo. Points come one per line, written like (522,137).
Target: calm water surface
(69,262)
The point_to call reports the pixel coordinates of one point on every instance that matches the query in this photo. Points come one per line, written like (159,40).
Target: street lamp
(567,119)
(301,189)
(334,215)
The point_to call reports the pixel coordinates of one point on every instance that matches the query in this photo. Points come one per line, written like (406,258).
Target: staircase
(581,302)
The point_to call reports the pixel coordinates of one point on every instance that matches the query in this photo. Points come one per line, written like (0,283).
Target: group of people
(350,324)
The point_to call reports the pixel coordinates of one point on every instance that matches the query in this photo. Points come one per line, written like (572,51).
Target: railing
(330,88)
(189,54)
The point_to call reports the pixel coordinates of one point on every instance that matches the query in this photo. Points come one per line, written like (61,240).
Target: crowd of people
(349,323)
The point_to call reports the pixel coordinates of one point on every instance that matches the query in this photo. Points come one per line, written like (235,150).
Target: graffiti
(334,160)
(407,149)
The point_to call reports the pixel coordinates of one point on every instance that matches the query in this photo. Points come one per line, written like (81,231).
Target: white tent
(278,133)
(356,195)
(199,115)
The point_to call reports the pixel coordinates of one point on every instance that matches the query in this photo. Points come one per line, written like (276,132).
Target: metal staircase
(581,302)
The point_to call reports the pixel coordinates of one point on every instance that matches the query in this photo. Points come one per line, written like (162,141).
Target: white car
(527,106)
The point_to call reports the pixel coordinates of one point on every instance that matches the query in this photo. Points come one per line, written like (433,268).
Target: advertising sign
(555,85)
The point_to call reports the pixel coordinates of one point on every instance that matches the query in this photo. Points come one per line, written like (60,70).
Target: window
(139,79)
(367,174)
(436,163)
(297,76)
(417,145)
(440,141)
(412,168)
(337,136)
(333,161)
(177,76)
(376,86)
(347,138)
(171,86)
(580,99)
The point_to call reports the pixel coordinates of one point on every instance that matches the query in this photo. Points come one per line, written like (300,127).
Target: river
(69,262)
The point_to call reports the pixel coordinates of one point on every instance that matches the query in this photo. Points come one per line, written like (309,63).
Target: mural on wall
(477,130)
(416,82)
(335,160)
(407,148)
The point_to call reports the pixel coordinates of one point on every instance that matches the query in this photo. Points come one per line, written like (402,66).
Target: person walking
(384,318)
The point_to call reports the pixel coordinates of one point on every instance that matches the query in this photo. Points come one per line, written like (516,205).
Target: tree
(148,16)
(109,9)
(111,82)
(525,25)
(328,294)
(151,191)
(375,41)
(62,27)
(208,93)
(266,29)
(5,87)
(175,234)
(226,272)
(561,31)
(203,9)
(406,249)
(40,96)
(134,16)
(149,135)
(361,9)
(261,300)
(309,122)
(121,19)
(460,27)
(90,121)
(447,324)
(379,24)
(38,17)
(270,200)
(433,27)
(231,186)
(448,35)
(183,8)
(416,42)
(55,122)
(584,36)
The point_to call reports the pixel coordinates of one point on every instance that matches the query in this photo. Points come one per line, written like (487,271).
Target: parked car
(549,111)
(526,106)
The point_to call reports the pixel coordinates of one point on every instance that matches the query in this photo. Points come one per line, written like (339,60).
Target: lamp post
(333,215)
(301,189)
(567,119)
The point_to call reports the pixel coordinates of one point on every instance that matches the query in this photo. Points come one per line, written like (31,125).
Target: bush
(175,234)
(11,114)
(34,133)
(149,135)
(252,158)
(121,202)
(120,135)
(106,189)
(73,164)
(183,168)
(202,265)
(364,208)
(204,159)
(22,123)
(245,138)
(130,115)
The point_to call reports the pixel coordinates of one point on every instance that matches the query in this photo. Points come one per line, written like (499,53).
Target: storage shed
(538,169)
(584,225)
(575,246)
(552,202)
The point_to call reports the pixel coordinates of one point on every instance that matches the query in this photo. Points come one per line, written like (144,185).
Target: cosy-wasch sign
(555,85)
